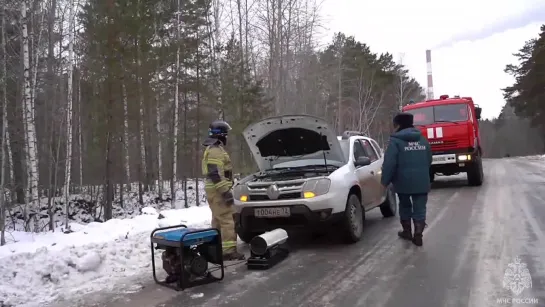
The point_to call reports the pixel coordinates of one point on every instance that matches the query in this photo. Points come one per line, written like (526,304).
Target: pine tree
(527,95)
(244,101)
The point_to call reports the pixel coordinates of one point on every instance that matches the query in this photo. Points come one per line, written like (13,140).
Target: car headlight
(241,192)
(464,157)
(316,187)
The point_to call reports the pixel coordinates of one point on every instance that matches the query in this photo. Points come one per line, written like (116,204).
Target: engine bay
(293,173)
(282,177)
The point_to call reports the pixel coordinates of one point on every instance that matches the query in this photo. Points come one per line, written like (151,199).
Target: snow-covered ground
(536,157)
(84,207)
(37,268)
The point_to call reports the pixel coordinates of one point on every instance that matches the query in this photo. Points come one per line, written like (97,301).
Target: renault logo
(273,192)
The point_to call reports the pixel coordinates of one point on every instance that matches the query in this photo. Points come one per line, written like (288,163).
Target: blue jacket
(407,162)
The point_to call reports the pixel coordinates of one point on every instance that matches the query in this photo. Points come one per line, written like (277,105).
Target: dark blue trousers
(412,206)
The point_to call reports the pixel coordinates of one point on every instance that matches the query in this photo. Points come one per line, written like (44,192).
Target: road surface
(473,234)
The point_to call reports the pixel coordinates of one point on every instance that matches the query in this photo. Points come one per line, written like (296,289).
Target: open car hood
(288,138)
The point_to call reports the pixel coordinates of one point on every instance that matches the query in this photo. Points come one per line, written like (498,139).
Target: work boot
(233,256)
(406,233)
(418,230)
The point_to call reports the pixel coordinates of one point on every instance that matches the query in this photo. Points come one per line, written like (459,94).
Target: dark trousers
(412,206)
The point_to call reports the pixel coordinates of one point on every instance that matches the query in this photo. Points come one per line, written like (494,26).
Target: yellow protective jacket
(217,168)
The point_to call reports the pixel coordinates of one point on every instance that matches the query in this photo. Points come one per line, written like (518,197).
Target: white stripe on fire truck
(439,132)
(430,133)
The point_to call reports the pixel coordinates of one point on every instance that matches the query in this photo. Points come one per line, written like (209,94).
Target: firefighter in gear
(217,168)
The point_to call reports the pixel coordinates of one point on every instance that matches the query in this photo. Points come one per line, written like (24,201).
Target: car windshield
(345,146)
(444,113)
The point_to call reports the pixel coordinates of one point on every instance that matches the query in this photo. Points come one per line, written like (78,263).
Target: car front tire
(354,217)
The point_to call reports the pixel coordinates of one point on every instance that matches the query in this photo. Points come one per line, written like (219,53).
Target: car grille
(294,195)
(444,145)
(258,191)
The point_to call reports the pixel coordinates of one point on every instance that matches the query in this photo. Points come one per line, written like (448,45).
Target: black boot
(406,233)
(418,230)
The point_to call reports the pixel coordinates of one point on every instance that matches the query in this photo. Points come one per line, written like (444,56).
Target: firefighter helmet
(218,128)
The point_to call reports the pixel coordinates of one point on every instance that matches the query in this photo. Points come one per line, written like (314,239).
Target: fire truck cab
(451,125)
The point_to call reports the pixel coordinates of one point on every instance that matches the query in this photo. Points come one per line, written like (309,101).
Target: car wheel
(475,175)
(245,235)
(354,216)
(389,207)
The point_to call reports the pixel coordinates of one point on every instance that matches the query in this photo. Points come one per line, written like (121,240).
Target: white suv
(309,178)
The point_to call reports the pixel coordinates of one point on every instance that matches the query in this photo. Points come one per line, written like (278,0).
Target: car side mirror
(478,112)
(362,161)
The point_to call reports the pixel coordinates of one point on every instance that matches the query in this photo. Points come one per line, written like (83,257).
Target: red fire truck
(451,125)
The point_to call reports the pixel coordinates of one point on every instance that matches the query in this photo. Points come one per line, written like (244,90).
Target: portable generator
(189,256)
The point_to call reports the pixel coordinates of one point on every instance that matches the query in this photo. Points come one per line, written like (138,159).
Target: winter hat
(403,120)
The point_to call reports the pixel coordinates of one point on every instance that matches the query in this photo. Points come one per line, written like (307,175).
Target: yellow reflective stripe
(218,162)
(209,184)
(229,244)
(222,184)
(218,186)
(204,165)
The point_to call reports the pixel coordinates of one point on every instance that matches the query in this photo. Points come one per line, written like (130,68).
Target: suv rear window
(445,113)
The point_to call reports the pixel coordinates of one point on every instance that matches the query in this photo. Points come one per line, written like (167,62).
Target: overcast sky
(471,40)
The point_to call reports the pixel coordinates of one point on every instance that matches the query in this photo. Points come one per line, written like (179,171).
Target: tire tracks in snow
(375,261)
(501,233)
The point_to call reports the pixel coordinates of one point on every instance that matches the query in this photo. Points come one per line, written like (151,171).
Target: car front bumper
(304,213)
(452,162)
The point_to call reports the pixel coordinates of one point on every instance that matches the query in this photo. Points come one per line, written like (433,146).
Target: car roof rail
(348,134)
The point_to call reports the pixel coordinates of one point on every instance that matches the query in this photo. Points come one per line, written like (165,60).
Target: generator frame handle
(181,283)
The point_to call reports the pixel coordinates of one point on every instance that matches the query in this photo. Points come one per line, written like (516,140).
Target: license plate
(444,159)
(272,212)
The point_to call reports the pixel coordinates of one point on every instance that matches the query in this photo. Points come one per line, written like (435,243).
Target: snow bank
(535,157)
(40,268)
(86,207)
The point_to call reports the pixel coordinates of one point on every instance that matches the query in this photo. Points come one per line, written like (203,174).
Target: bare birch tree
(3,205)
(68,161)
(126,156)
(141,142)
(159,147)
(32,165)
(175,110)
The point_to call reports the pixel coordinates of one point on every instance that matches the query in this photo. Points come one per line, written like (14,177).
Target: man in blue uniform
(406,166)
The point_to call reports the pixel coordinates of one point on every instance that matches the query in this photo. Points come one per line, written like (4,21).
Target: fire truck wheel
(475,175)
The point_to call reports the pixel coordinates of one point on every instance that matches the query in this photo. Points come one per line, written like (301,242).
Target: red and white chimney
(430,78)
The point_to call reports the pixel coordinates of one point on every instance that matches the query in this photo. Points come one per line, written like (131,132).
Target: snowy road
(473,234)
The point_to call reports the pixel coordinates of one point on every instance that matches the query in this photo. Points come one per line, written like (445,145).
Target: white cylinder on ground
(261,243)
